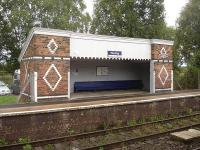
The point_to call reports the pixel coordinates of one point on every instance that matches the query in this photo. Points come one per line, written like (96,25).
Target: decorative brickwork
(43,52)
(163,75)
(42,67)
(163,66)
(156,51)
(42,41)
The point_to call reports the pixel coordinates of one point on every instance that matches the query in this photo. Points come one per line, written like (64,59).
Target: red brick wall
(24,75)
(62,66)
(38,48)
(53,124)
(155,53)
(162,62)
(159,76)
(41,42)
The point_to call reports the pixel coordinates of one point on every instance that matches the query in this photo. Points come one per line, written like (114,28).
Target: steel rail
(122,143)
(90,134)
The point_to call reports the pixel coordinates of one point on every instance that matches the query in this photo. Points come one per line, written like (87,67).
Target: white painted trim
(172,80)
(66,58)
(45,58)
(59,75)
(32,58)
(165,61)
(35,77)
(165,70)
(52,41)
(152,77)
(164,42)
(168,89)
(25,94)
(69,91)
(96,105)
(163,53)
(48,58)
(109,58)
(25,45)
(57,96)
(26,65)
(57,58)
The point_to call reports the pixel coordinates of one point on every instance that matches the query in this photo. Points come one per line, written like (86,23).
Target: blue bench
(108,85)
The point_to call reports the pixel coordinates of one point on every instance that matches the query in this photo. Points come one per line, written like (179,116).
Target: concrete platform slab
(97,103)
(188,135)
(107,94)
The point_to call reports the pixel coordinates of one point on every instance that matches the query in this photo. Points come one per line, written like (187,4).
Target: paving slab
(187,135)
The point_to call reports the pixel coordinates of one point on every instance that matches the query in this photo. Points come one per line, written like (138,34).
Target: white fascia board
(159,41)
(25,45)
(111,39)
(98,49)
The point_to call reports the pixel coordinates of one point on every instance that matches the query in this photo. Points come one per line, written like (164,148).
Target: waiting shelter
(56,63)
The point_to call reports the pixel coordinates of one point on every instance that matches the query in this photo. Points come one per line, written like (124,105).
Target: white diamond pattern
(164,77)
(52,46)
(52,87)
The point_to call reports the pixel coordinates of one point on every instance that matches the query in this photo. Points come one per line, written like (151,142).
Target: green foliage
(3,142)
(131,123)
(17,17)
(103,126)
(131,18)
(101,148)
(6,77)
(186,78)
(27,147)
(141,121)
(49,147)
(70,131)
(8,99)
(24,140)
(187,42)
(189,111)
(169,33)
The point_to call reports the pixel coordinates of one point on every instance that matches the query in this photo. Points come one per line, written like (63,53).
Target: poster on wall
(102,71)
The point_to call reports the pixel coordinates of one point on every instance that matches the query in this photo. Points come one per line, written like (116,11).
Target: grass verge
(8,99)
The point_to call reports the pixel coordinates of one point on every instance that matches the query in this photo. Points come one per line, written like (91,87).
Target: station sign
(114,53)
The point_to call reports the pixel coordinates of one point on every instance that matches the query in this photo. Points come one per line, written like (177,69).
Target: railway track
(107,131)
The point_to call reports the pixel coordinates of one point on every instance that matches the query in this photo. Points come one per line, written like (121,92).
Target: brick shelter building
(55,63)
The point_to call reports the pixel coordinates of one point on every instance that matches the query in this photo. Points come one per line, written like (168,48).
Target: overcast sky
(172,7)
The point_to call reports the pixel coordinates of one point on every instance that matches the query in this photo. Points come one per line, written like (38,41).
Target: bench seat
(107,85)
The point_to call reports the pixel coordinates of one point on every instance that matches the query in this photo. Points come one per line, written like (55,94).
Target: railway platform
(38,120)
(93,102)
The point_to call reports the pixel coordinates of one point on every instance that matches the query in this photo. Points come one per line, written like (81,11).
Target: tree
(187,42)
(17,17)
(132,18)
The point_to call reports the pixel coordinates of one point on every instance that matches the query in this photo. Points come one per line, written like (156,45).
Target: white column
(172,80)
(152,77)
(33,86)
(69,91)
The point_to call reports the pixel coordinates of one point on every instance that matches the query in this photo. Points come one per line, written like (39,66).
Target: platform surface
(187,135)
(83,104)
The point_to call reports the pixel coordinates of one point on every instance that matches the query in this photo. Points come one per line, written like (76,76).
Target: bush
(186,78)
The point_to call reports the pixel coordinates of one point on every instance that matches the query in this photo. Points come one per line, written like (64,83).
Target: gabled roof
(65,33)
